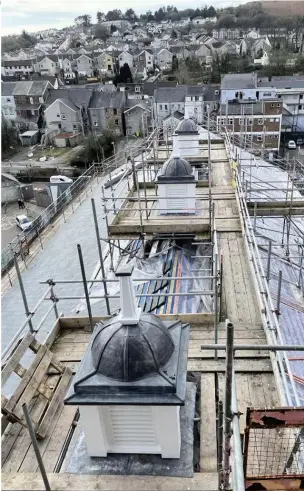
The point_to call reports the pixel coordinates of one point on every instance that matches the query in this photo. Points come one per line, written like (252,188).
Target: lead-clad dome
(176,169)
(186,126)
(129,353)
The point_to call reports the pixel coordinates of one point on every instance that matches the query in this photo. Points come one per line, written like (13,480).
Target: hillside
(283,7)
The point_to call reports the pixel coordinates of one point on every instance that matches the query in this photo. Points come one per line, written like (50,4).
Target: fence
(273,331)
(20,245)
(274,448)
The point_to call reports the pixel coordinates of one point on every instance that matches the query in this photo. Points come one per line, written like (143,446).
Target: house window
(161,107)
(114,112)
(33,112)
(260,121)
(75,126)
(95,123)
(230,121)
(300,107)
(116,122)
(279,105)
(241,121)
(271,120)
(259,138)
(137,89)
(250,121)
(41,100)
(8,100)
(272,105)
(197,98)
(58,115)
(166,107)
(301,96)
(52,64)
(59,126)
(63,116)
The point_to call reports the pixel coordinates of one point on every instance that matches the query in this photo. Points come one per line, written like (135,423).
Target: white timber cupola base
(186,139)
(176,188)
(132,382)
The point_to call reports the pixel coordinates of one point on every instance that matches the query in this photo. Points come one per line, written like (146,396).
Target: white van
(58,179)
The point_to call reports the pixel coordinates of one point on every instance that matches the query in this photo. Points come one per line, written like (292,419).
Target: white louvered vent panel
(176,198)
(132,426)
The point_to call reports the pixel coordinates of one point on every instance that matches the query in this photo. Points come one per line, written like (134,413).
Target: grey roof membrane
(238,81)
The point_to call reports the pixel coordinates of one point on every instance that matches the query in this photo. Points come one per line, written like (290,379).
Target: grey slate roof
(17,63)
(38,87)
(22,88)
(7,88)
(100,99)
(170,94)
(77,96)
(149,87)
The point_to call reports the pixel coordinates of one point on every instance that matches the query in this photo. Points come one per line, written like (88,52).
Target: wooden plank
(29,463)
(33,384)
(13,361)
(204,481)
(208,443)
(8,440)
(238,281)
(56,400)
(57,438)
(240,366)
(23,441)
(27,377)
(243,397)
(20,370)
(228,286)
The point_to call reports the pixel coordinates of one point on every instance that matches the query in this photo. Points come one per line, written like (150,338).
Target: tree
(130,15)
(99,16)
(83,20)
(9,137)
(159,14)
(211,12)
(101,32)
(114,15)
(125,74)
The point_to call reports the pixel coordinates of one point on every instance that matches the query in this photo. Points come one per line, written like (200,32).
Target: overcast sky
(34,15)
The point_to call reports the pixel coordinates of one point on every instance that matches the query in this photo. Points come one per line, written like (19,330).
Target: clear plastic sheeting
(170,260)
(265,181)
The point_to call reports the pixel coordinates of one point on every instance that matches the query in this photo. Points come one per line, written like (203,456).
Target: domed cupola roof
(186,126)
(176,169)
(134,358)
(129,353)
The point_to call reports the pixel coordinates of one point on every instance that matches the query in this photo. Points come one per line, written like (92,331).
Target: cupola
(176,187)
(186,139)
(132,381)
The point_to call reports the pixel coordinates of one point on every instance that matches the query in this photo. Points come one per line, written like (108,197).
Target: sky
(37,15)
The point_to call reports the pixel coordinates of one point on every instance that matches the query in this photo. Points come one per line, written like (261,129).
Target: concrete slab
(78,461)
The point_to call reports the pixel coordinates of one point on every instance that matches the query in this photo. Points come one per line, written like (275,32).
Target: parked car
(23,222)
(57,179)
(292,144)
